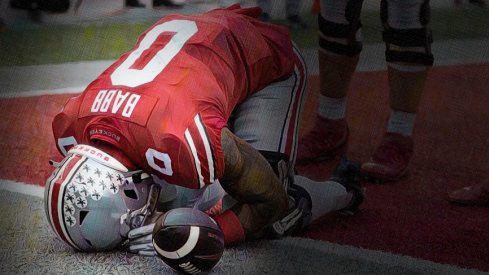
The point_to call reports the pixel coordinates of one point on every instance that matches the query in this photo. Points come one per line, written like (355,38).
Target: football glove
(141,240)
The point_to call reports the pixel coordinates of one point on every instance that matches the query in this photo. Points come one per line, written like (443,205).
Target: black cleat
(347,173)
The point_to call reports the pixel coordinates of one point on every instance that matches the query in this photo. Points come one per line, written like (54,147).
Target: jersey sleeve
(63,126)
(192,160)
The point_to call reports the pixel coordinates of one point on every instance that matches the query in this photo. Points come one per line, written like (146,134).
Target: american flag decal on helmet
(198,142)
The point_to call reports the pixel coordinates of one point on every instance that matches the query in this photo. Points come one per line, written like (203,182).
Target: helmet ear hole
(83,215)
(131,194)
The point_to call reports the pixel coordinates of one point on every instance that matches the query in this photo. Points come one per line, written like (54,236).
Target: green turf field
(67,43)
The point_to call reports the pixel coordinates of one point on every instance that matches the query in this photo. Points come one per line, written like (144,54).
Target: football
(188,240)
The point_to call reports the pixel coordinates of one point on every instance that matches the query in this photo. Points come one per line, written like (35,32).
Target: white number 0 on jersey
(124,75)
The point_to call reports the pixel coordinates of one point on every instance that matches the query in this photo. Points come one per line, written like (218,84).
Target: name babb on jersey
(165,101)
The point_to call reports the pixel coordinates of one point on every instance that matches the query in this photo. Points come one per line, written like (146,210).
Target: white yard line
(49,78)
(69,90)
(22,188)
(21,81)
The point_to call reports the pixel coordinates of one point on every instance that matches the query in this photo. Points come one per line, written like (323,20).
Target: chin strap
(136,218)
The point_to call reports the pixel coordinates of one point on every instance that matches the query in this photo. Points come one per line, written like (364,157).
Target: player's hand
(141,240)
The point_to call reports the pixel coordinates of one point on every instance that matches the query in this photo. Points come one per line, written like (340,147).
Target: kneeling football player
(199,100)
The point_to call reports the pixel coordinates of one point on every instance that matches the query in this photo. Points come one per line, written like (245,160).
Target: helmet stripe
(51,180)
(50,184)
(57,195)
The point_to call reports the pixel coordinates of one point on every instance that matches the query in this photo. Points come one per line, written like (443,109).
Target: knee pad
(408,42)
(340,38)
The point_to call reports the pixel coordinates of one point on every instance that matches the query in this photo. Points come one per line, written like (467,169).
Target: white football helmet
(92,200)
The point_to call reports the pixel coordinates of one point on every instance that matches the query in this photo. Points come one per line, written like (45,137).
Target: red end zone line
(28,144)
(27,140)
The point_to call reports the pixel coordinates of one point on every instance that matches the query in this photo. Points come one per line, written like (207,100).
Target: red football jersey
(165,101)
